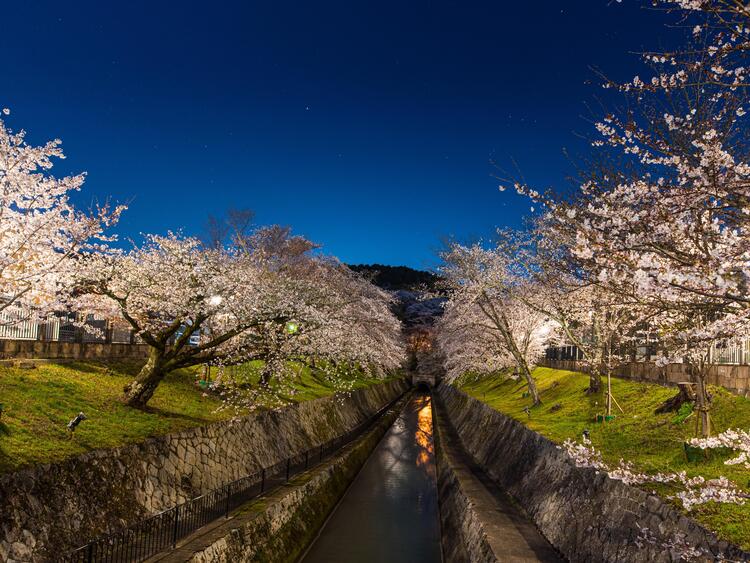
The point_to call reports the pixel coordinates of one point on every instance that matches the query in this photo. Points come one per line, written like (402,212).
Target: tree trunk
(673,404)
(531,385)
(698,374)
(140,391)
(609,393)
(595,380)
(596,370)
(702,405)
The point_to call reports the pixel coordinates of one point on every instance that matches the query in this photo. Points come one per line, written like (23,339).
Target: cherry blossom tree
(264,297)
(566,292)
(343,320)
(667,229)
(359,326)
(41,232)
(172,288)
(468,343)
(486,296)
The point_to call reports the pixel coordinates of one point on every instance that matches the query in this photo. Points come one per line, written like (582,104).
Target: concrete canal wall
(50,509)
(278,527)
(464,539)
(584,514)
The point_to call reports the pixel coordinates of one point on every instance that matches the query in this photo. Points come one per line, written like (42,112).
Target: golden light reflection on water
(424,433)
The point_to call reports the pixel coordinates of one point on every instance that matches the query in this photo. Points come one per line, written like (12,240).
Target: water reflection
(424,435)
(390,512)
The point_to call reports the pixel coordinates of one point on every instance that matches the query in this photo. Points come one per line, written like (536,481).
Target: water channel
(390,512)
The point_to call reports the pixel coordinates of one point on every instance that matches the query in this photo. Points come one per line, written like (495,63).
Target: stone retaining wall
(53,508)
(586,515)
(735,378)
(280,526)
(52,350)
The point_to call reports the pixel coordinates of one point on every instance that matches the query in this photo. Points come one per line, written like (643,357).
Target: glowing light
(292,327)
(215,300)
(424,434)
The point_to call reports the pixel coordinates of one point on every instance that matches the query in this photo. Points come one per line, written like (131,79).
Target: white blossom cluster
(488,324)
(738,440)
(40,230)
(697,490)
(263,295)
(660,224)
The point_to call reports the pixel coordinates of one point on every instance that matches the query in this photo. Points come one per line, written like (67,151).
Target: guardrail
(162,531)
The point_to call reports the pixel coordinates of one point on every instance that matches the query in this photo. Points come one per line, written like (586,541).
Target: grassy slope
(39,403)
(652,442)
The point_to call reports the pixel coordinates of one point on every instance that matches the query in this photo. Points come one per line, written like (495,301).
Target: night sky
(367,126)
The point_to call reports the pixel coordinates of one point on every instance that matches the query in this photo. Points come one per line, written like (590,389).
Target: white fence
(734,354)
(20,323)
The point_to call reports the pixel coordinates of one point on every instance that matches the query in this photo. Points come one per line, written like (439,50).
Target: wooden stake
(618,404)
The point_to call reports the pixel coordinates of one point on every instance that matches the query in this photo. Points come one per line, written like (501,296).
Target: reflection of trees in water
(424,435)
(399,448)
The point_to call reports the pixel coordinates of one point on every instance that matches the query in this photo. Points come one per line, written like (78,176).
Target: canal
(390,512)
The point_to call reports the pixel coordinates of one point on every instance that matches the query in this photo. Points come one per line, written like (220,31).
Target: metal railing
(162,531)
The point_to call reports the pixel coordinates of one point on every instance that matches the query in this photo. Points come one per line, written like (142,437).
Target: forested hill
(418,296)
(394,278)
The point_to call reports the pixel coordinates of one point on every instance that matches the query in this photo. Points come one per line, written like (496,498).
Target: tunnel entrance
(423,387)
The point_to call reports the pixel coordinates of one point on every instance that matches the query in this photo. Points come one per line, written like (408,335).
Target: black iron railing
(162,531)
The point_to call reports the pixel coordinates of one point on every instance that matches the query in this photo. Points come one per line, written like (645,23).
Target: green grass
(304,384)
(652,442)
(38,403)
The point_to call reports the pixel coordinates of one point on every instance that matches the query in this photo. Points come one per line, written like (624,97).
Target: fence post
(176,523)
(90,553)
(226,513)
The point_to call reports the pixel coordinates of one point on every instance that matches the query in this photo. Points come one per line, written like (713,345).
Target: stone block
(66,504)
(565,500)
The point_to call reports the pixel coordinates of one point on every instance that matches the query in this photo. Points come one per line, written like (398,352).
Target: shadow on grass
(101,367)
(78,365)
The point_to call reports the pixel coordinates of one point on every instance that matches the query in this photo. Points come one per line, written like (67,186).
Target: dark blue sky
(367,126)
